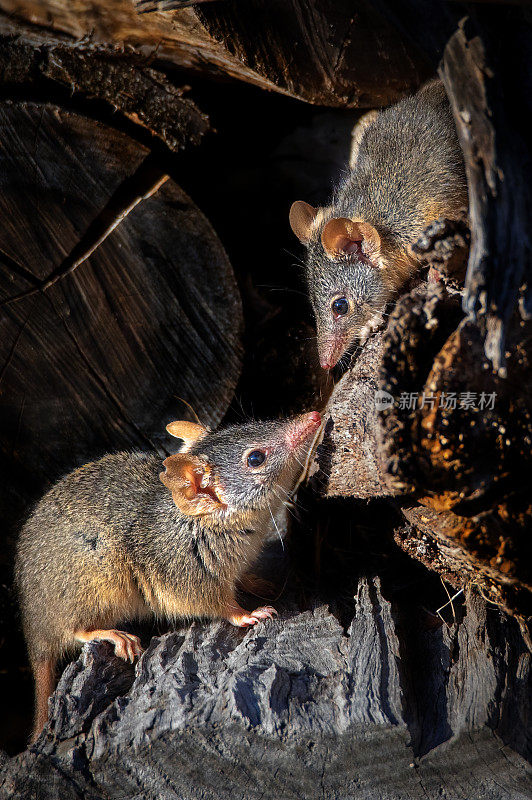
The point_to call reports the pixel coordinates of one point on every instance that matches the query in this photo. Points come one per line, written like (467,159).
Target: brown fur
(406,171)
(109,542)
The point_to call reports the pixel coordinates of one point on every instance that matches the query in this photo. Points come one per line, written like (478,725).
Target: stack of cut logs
(117,297)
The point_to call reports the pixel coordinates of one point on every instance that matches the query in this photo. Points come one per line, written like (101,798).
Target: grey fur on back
(408,157)
(408,171)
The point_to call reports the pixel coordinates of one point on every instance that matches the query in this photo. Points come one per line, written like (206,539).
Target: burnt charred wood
(300,707)
(331,53)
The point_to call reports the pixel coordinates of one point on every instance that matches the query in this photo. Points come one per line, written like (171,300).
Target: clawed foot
(126,645)
(242,619)
(370,327)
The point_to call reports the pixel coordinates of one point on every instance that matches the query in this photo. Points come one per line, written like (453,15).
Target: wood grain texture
(326,52)
(298,707)
(98,360)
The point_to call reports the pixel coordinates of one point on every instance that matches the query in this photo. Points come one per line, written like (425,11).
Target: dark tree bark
(488,77)
(489,106)
(461,474)
(296,708)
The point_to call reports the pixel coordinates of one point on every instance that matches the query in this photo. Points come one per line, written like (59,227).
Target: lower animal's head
(229,475)
(348,275)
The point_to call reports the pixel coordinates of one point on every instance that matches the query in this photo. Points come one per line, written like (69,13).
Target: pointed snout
(330,351)
(302,428)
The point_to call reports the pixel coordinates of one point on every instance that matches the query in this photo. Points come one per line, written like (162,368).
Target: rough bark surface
(460,468)
(326,52)
(489,107)
(125,90)
(294,708)
(478,64)
(347,460)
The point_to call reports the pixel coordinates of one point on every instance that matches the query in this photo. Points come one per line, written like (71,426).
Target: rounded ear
(301,217)
(342,235)
(190,432)
(192,484)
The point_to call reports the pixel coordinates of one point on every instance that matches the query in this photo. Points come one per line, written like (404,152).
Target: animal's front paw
(126,645)
(372,325)
(243,619)
(264,612)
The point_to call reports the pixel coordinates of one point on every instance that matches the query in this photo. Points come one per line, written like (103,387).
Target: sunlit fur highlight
(407,171)
(108,543)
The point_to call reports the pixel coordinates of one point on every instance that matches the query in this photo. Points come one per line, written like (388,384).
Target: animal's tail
(44,677)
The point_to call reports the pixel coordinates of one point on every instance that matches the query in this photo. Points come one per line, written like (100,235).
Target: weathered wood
(347,460)
(125,91)
(326,52)
(479,65)
(301,708)
(298,707)
(489,105)
(460,470)
(98,361)
(465,451)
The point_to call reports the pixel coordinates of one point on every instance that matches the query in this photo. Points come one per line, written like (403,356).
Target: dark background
(266,151)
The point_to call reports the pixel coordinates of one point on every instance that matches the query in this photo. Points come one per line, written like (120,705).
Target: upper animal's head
(347,273)
(229,475)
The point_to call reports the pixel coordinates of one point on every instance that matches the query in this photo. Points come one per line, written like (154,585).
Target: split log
(298,707)
(485,96)
(96,357)
(388,708)
(326,52)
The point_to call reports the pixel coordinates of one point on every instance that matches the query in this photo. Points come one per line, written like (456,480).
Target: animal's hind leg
(126,645)
(44,675)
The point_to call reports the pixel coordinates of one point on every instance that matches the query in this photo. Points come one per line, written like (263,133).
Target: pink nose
(326,365)
(302,428)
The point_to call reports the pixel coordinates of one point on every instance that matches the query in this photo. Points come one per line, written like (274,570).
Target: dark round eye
(256,458)
(340,306)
